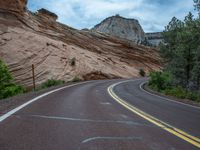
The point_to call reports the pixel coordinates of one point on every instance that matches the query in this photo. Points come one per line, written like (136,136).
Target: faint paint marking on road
(110,138)
(89,120)
(175,131)
(105,103)
(123,116)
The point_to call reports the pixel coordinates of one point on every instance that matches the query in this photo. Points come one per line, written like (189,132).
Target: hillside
(28,38)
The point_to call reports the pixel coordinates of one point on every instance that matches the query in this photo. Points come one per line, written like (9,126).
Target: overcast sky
(153,15)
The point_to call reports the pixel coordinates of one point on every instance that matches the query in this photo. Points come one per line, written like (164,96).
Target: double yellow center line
(177,132)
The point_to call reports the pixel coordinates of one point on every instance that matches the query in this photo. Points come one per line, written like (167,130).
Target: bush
(12,90)
(7,87)
(76,79)
(73,61)
(50,83)
(142,72)
(178,92)
(160,80)
(5,76)
(193,96)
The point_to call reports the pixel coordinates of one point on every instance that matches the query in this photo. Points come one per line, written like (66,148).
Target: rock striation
(26,39)
(118,26)
(13,5)
(154,38)
(47,14)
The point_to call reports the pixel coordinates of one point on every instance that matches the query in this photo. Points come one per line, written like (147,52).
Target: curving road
(101,115)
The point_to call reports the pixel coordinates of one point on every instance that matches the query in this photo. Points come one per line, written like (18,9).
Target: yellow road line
(177,132)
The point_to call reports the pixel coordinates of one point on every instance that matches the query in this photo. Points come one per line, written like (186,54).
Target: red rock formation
(47,14)
(13,5)
(51,46)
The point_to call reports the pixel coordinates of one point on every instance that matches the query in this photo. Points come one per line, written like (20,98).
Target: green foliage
(5,76)
(7,87)
(181,51)
(142,72)
(50,83)
(73,61)
(76,79)
(160,80)
(180,92)
(197,5)
(11,90)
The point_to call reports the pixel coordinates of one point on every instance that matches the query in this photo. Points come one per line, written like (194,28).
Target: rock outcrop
(13,5)
(47,14)
(118,26)
(154,38)
(51,46)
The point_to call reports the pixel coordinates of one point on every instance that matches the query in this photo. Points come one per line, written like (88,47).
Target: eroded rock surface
(47,14)
(118,26)
(51,46)
(13,5)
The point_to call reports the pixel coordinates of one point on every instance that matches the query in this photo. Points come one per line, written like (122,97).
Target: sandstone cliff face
(29,39)
(13,5)
(154,38)
(47,14)
(118,26)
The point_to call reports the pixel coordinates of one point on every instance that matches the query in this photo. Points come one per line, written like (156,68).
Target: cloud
(152,14)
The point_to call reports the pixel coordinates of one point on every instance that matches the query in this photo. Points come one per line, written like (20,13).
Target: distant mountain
(121,27)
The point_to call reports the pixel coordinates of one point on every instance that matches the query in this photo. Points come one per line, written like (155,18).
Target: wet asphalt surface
(85,117)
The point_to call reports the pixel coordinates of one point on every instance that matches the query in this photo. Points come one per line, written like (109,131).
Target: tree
(181,51)
(197,5)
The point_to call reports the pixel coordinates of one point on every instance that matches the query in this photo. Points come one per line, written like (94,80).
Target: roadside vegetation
(76,79)
(7,87)
(142,73)
(50,83)
(180,51)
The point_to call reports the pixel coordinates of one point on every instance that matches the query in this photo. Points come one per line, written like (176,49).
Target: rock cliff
(47,14)
(13,5)
(26,39)
(154,38)
(118,26)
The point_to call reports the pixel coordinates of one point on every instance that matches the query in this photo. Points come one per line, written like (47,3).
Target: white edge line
(141,87)
(155,94)
(8,114)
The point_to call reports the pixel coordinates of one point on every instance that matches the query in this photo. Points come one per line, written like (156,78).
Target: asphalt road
(87,117)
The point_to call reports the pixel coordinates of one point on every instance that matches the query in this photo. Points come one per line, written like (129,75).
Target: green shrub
(160,80)
(50,83)
(5,76)
(193,96)
(76,79)
(12,90)
(7,87)
(142,72)
(73,61)
(178,92)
